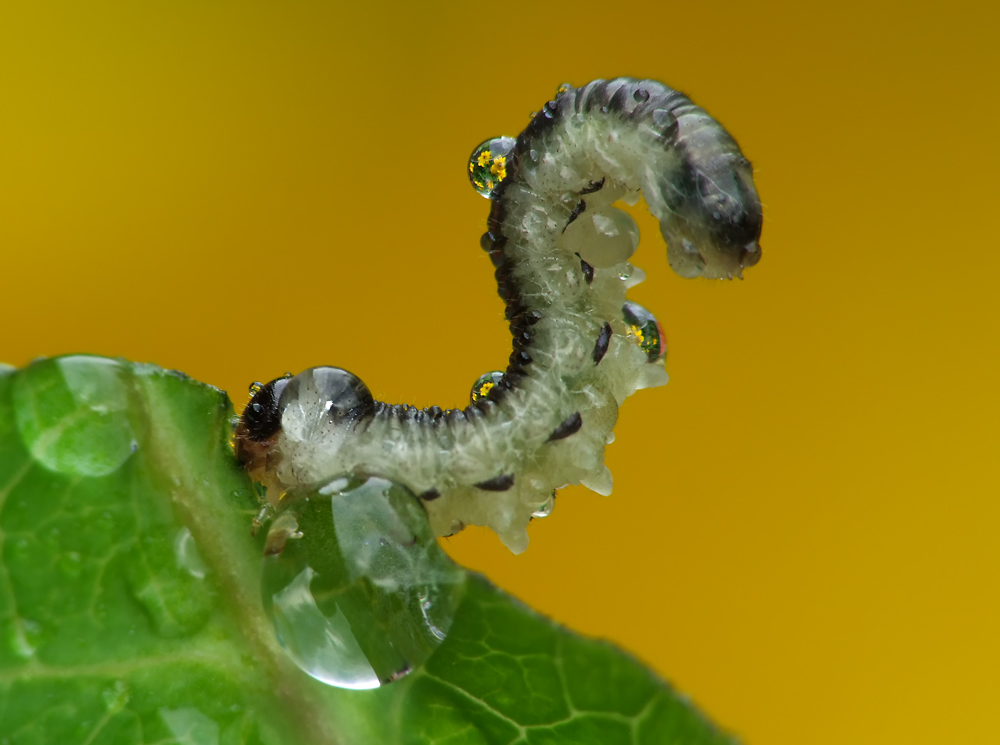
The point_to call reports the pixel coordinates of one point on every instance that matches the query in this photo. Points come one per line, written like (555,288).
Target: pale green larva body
(561,252)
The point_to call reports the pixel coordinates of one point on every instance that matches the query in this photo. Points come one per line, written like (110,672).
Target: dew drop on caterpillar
(560,252)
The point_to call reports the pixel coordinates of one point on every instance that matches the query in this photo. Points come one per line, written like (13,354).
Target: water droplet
(546,507)
(486,383)
(16,640)
(321,398)
(73,414)
(643,326)
(488,164)
(563,88)
(187,556)
(602,238)
(640,95)
(364,594)
(533,154)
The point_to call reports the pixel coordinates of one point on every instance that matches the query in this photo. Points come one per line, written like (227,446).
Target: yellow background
(803,532)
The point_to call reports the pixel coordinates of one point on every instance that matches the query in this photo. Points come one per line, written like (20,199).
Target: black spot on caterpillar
(603,340)
(575,213)
(499,483)
(608,140)
(569,427)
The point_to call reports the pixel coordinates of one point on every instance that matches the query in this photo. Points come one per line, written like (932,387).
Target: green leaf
(130,607)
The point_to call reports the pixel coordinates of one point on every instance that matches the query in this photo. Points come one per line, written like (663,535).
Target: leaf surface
(130,608)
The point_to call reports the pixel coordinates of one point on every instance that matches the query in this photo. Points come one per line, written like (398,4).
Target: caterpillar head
(315,403)
(713,229)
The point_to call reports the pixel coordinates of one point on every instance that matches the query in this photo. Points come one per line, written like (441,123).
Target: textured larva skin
(497,461)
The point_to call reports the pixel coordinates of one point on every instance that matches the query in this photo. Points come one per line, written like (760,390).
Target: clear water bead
(355,583)
(320,398)
(488,164)
(546,507)
(643,326)
(486,383)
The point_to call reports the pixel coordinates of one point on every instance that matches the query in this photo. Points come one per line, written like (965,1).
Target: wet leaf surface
(130,608)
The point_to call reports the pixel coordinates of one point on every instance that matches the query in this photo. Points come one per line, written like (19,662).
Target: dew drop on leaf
(355,583)
(73,414)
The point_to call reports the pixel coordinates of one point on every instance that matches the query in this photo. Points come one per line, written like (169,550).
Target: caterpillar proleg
(561,254)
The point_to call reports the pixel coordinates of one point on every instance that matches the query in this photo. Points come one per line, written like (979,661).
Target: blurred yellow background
(803,533)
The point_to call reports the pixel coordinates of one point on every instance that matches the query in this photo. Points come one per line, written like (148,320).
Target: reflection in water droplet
(643,326)
(72,414)
(360,594)
(488,164)
(602,238)
(545,509)
(486,383)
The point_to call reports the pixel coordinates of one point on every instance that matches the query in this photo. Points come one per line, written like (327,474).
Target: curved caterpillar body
(560,250)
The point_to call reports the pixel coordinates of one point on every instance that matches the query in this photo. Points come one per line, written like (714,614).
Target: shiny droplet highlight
(358,590)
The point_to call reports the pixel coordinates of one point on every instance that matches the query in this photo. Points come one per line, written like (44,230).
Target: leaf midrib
(232,563)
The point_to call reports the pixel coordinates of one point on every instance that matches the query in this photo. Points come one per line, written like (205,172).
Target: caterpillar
(560,251)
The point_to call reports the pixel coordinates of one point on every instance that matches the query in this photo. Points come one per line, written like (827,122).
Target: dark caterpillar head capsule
(714,228)
(259,425)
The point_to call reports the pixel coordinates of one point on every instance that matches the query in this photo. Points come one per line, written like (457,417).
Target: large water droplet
(488,164)
(486,383)
(602,238)
(73,414)
(358,589)
(643,326)
(320,398)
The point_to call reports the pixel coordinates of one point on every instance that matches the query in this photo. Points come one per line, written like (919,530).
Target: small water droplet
(187,556)
(546,507)
(488,164)
(563,88)
(16,639)
(533,154)
(364,595)
(486,383)
(643,327)
(640,95)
